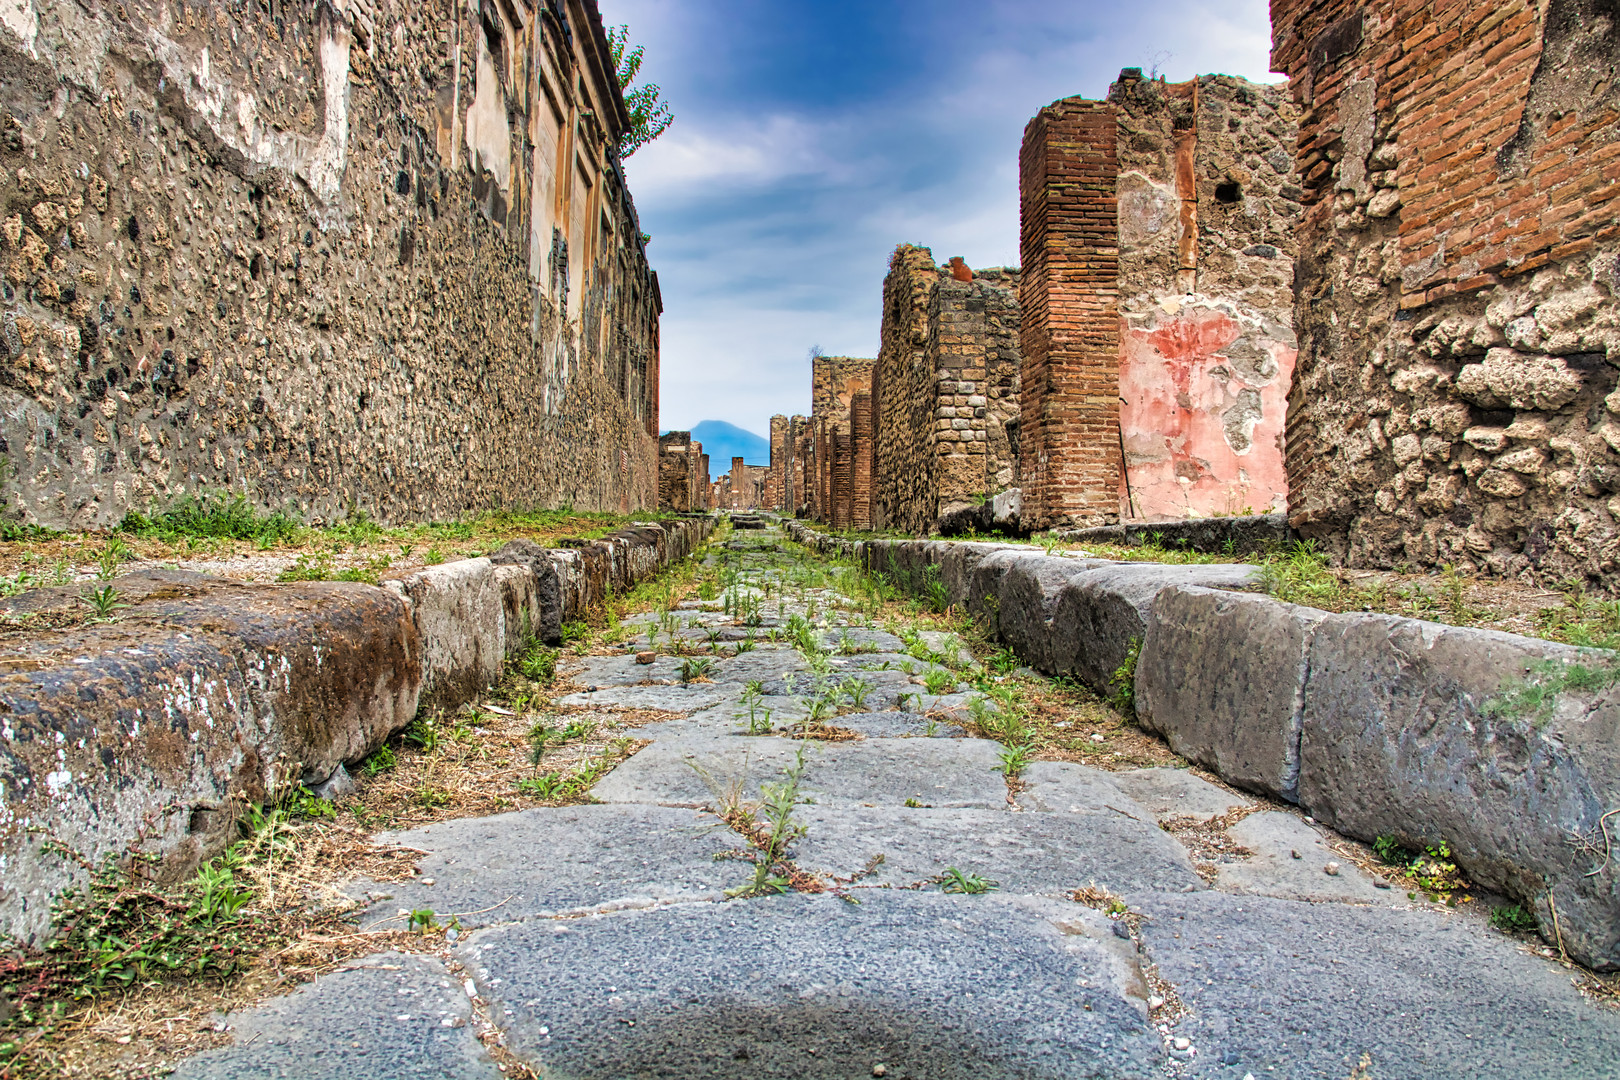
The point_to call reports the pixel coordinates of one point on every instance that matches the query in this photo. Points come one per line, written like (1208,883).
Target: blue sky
(812,137)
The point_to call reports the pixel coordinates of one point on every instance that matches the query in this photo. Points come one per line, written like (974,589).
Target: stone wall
(945,390)
(743,488)
(1456,283)
(683,473)
(1158,242)
(1208,204)
(370,254)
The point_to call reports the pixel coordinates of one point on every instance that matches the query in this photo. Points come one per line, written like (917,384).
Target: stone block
(1409,730)
(1027,598)
(460,614)
(1222,677)
(1100,612)
(141,734)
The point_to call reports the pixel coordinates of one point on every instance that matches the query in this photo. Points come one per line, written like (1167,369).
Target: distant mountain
(723,441)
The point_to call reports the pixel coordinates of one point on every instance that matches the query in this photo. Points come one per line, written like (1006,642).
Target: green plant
(1122,683)
(380,760)
(696,667)
(538,663)
(433,556)
(857,690)
(539,737)
(1004,662)
(1533,697)
(938,681)
(934,591)
(104,601)
(114,553)
(423,919)
(1014,760)
(778,830)
(575,630)
(218,895)
(957,881)
(548,786)
(1514,918)
(217,515)
(424,733)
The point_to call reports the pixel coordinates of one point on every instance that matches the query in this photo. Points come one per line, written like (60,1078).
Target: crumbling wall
(945,390)
(1456,282)
(372,255)
(1207,207)
(683,473)
(834,382)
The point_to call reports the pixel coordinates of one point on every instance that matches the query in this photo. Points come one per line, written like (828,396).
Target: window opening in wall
(1228,192)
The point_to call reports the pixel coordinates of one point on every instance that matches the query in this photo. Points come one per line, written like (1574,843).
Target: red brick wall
(1069,401)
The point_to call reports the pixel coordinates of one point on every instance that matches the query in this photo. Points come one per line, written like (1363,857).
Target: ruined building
(743,488)
(1457,277)
(683,474)
(1157,247)
(944,392)
(838,442)
(358,254)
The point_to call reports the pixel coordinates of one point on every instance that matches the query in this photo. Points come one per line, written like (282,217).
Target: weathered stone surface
(559,860)
(1098,613)
(1058,787)
(1421,992)
(701,771)
(899,980)
(1168,793)
(1223,535)
(460,614)
(143,731)
(1399,740)
(897,725)
(390,1016)
(958,563)
(681,697)
(1272,870)
(1050,854)
(1222,677)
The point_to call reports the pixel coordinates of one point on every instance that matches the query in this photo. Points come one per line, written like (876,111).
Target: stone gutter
(153,732)
(1376,725)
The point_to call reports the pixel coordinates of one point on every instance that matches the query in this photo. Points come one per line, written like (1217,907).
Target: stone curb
(154,732)
(1376,725)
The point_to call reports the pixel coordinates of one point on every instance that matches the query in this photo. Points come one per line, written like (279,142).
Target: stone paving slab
(897,725)
(1050,854)
(1177,793)
(812,987)
(942,772)
(553,860)
(391,1016)
(868,641)
(763,662)
(678,698)
(1287,989)
(622,670)
(1067,787)
(1274,837)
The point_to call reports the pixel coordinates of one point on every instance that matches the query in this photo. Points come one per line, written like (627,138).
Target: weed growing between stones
(958,881)
(1533,697)
(1430,871)
(1122,681)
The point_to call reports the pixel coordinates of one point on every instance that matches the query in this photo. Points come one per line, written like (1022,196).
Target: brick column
(1069,293)
(842,479)
(861,436)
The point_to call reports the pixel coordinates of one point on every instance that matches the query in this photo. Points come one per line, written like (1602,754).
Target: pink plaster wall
(1203,401)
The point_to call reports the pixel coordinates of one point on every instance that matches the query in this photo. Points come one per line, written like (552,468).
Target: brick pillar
(861,435)
(1069,293)
(842,486)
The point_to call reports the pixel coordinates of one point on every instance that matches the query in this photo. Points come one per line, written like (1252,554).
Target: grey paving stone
(868,641)
(678,698)
(944,772)
(1051,854)
(812,987)
(1177,793)
(1065,787)
(622,670)
(763,662)
(390,1016)
(553,860)
(1272,870)
(895,725)
(1288,989)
